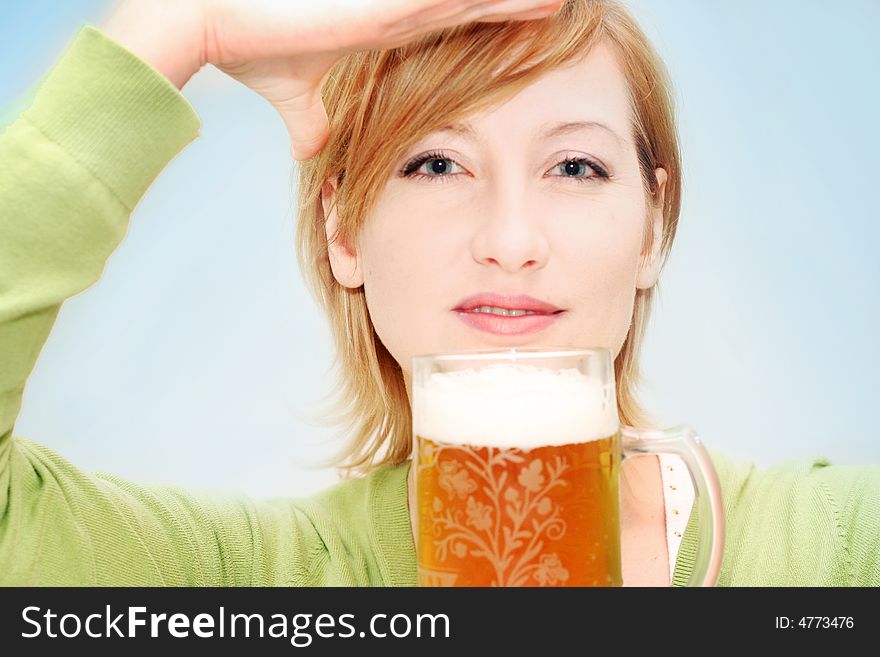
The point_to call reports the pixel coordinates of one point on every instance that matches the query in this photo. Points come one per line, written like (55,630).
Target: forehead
(590,94)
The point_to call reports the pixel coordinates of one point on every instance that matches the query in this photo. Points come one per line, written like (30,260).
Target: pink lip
(500,325)
(509,301)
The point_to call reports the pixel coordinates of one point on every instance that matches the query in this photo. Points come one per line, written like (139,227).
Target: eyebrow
(467,131)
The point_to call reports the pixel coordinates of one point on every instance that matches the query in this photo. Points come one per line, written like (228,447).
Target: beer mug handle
(684,442)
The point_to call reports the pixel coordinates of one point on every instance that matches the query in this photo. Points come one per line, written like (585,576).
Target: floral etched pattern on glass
(491,516)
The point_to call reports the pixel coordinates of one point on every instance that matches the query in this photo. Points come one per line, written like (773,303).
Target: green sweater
(73,166)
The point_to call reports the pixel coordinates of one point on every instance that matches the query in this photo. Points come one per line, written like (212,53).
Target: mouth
(507,314)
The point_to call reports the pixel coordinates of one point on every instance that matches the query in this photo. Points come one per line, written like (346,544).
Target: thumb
(307,124)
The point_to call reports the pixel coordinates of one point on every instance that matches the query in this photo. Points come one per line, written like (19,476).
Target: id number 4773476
(814,622)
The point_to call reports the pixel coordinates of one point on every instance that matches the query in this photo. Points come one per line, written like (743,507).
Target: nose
(510,232)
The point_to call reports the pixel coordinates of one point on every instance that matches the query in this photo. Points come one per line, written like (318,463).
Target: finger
(519,6)
(455,12)
(307,124)
(539,12)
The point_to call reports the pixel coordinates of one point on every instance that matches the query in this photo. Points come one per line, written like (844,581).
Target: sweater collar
(390,525)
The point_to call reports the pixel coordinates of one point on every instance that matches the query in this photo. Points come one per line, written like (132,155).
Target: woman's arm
(72,168)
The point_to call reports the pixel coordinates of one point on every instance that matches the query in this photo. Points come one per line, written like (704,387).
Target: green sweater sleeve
(73,165)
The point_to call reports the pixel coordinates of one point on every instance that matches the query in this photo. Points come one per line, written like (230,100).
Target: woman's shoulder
(841,482)
(803,521)
(381,484)
(367,518)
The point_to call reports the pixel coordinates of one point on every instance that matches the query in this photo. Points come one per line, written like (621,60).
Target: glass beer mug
(517,455)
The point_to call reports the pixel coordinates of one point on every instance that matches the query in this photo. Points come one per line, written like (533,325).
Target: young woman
(446,149)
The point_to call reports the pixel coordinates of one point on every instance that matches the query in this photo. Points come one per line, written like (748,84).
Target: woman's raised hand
(284,49)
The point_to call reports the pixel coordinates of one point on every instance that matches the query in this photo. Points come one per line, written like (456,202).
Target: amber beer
(490,516)
(516,479)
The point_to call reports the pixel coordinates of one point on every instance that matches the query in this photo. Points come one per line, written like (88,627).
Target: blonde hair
(379,103)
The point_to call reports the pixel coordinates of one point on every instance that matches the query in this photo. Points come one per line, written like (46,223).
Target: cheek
(604,252)
(404,274)
(602,280)
(401,265)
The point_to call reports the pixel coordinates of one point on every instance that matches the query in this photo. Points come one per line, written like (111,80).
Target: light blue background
(190,361)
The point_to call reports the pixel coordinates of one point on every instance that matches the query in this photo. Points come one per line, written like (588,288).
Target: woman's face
(508,208)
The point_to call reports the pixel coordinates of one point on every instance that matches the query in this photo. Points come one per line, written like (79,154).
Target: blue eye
(439,173)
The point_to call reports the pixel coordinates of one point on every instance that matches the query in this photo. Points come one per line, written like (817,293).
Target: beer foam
(514,405)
